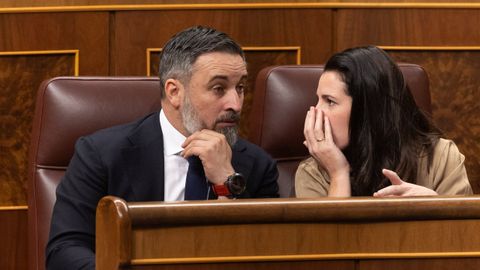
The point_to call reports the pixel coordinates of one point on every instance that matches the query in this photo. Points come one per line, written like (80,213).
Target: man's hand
(401,188)
(214,151)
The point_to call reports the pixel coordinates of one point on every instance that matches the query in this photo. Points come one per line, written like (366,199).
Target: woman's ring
(319,140)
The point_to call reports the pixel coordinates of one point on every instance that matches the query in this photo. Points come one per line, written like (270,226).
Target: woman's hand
(320,144)
(401,188)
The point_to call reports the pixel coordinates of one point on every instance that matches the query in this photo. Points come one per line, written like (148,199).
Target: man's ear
(174,92)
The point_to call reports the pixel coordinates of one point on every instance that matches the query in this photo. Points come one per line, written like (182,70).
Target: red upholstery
(282,97)
(67,108)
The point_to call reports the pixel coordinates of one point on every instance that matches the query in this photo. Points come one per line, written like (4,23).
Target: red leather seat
(282,97)
(67,108)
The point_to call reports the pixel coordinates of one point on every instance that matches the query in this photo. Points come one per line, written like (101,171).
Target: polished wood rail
(363,233)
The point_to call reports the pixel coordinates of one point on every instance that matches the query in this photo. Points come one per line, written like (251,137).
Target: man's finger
(203,135)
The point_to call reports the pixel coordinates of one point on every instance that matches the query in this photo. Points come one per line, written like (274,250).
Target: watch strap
(221,190)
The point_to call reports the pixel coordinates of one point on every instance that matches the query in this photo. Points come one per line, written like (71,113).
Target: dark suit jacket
(127,161)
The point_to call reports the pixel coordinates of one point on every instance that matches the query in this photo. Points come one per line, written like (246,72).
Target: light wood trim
(149,53)
(311,210)
(309,257)
(77,63)
(76,54)
(286,5)
(298,49)
(124,219)
(113,222)
(13,208)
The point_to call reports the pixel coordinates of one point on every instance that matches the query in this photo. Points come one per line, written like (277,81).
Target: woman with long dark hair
(366,135)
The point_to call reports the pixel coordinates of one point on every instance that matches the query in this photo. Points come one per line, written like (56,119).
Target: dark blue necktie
(196,187)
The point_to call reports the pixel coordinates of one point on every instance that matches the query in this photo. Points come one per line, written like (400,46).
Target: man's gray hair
(183,49)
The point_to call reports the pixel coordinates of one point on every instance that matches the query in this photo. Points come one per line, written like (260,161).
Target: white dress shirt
(175,165)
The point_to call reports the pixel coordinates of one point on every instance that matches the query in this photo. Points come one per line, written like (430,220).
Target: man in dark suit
(189,150)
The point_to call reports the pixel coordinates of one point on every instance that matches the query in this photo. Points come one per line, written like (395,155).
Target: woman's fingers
(402,188)
(328,130)
(394,190)
(309,124)
(318,128)
(312,128)
(392,176)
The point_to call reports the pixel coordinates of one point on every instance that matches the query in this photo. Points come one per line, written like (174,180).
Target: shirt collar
(172,138)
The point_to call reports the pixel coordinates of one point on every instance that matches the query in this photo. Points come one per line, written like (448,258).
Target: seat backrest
(282,97)
(67,108)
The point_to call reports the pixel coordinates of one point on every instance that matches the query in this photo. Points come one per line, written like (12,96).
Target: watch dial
(237,184)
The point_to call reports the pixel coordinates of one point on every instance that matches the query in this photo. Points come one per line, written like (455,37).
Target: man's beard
(192,122)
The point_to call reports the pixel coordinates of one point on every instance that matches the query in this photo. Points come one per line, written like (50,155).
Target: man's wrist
(222,177)
(221,190)
(233,186)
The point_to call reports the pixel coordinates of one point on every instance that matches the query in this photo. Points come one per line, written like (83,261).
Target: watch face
(236,184)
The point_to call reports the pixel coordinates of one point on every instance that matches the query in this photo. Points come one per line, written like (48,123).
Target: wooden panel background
(407,27)
(137,30)
(112,40)
(21,74)
(437,264)
(13,235)
(18,82)
(455,90)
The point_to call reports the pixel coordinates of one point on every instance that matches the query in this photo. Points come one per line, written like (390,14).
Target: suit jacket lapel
(144,160)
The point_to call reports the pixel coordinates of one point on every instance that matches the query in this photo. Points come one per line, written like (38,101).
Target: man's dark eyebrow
(218,77)
(225,78)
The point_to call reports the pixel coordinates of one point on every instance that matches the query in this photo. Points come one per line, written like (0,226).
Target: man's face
(214,95)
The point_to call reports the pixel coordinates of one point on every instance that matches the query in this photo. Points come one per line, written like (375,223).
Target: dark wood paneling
(19,80)
(21,75)
(411,264)
(13,237)
(135,31)
(85,31)
(402,27)
(455,89)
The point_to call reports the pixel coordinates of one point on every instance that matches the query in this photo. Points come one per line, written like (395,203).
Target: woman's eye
(329,101)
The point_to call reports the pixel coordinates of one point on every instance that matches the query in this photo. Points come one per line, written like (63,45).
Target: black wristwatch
(233,187)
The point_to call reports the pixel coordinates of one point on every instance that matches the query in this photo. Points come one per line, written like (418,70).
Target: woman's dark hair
(387,129)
